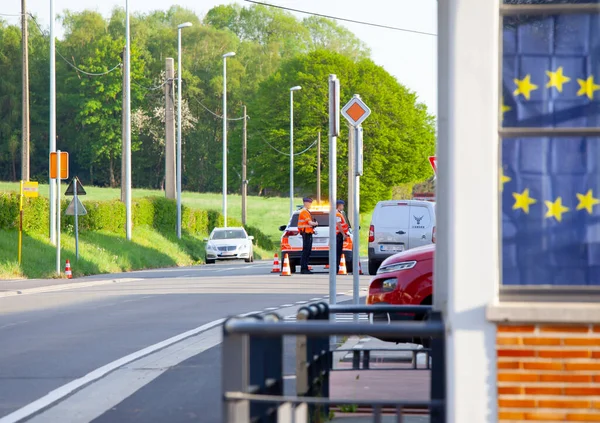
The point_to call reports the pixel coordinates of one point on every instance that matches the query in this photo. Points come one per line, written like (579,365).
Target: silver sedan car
(229,244)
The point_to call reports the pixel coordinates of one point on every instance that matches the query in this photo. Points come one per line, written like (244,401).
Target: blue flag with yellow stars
(551,186)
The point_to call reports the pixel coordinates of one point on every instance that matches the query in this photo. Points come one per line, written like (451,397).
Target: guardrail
(252,372)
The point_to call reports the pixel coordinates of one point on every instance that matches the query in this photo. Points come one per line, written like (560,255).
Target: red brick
(510,390)
(501,340)
(583,391)
(566,378)
(595,354)
(582,366)
(565,328)
(517,377)
(543,391)
(516,403)
(516,353)
(509,365)
(515,328)
(545,416)
(564,354)
(563,404)
(510,415)
(542,365)
(542,341)
(582,341)
(581,417)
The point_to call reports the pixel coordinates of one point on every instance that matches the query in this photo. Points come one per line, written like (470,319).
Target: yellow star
(524,86)
(503,179)
(587,87)
(587,201)
(523,201)
(557,79)
(556,209)
(505,108)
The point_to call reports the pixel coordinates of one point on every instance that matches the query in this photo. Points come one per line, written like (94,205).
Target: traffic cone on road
(326,266)
(360,272)
(286,267)
(343,270)
(68,270)
(276,267)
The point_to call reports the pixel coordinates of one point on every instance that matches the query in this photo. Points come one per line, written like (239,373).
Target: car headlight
(389,284)
(397,266)
(211,246)
(242,247)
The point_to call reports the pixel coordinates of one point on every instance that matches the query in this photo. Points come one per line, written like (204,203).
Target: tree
(326,34)
(398,136)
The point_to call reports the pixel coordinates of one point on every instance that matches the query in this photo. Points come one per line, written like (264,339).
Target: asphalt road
(53,337)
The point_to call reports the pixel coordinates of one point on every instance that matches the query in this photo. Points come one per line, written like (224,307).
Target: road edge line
(64,286)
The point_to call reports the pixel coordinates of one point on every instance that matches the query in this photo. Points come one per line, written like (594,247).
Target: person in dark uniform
(306,226)
(342,231)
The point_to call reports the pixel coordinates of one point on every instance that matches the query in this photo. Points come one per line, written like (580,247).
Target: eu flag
(551,186)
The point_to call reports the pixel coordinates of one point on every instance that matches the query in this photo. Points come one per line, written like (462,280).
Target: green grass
(267,214)
(99,252)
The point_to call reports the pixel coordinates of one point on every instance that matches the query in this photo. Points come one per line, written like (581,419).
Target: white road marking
(271,308)
(286,305)
(8,325)
(65,390)
(301,302)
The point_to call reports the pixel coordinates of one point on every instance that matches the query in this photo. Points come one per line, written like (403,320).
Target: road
(74,350)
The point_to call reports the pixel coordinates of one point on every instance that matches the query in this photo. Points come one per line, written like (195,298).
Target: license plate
(227,254)
(391,248)
(320,241)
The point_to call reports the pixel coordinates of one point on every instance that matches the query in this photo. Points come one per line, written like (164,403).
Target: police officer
(306,226)
(341,230)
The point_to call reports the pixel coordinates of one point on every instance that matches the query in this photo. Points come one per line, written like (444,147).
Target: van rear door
(391,228)
(421,225)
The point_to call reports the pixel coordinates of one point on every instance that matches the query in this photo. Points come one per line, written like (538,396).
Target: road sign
(30,189)
(80,190)
(433,163)
(356,111)
(81,211)
(64,165)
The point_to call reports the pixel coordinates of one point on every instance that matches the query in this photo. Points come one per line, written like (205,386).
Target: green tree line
(274,51)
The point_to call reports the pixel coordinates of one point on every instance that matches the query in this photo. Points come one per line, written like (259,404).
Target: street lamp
(179,28)
(225,56)
(296,88)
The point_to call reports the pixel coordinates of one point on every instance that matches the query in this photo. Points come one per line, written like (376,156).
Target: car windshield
(321,218)
(228,234)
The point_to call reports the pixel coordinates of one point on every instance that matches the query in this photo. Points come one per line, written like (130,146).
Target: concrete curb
(62,287)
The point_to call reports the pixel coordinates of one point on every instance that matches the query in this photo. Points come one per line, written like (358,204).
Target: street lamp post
(296,88)
(179,28)
(225,56)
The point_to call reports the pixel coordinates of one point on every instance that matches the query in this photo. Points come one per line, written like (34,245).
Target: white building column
(467,252)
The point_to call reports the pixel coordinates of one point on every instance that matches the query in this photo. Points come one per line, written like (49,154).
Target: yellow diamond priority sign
(356,111)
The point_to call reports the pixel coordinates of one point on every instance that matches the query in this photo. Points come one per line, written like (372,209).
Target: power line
(213,113)
(343,19)
(69,63)
(283,152)
(156,87)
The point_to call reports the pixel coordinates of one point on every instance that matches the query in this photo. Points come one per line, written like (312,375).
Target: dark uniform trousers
(338,253)
(307,241)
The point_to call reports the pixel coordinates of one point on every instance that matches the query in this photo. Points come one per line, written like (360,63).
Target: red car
(405,278)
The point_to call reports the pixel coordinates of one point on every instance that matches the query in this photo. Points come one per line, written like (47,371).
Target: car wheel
(248,260)
(373,267)
(208,261)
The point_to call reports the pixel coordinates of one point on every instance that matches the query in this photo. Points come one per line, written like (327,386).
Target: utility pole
(52,135)
(25,86)
(244,163)
(351,175)
(170,130)
(128,124)
(319,168)
(123,129)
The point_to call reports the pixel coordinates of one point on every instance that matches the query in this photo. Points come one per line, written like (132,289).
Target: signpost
(355,112)
(334,131)
(59,169)
(76,208)
(30,190)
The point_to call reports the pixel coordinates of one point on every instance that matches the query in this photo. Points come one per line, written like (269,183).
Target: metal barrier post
(266,370)
(438,373)
(302,357)
(235,375)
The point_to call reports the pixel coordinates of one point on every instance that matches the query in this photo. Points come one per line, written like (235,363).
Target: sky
(410,57)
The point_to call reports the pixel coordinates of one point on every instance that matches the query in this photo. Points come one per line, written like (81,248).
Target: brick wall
(548,373)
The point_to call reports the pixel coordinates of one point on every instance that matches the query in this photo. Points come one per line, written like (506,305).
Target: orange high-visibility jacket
(339,217)
(303,220)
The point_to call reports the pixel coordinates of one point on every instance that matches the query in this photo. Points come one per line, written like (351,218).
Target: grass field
(151,249)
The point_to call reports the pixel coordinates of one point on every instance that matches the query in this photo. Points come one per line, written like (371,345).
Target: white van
(399,225)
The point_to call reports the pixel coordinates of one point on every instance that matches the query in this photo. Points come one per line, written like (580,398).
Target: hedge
(157,212)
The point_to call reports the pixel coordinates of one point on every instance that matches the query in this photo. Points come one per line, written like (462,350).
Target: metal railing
(252,368)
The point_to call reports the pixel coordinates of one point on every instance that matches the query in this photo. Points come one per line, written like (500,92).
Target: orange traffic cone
(276,267)
(326,266)
(68,270)
(343,270)
(286,267)
(360,272)
(310,268)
